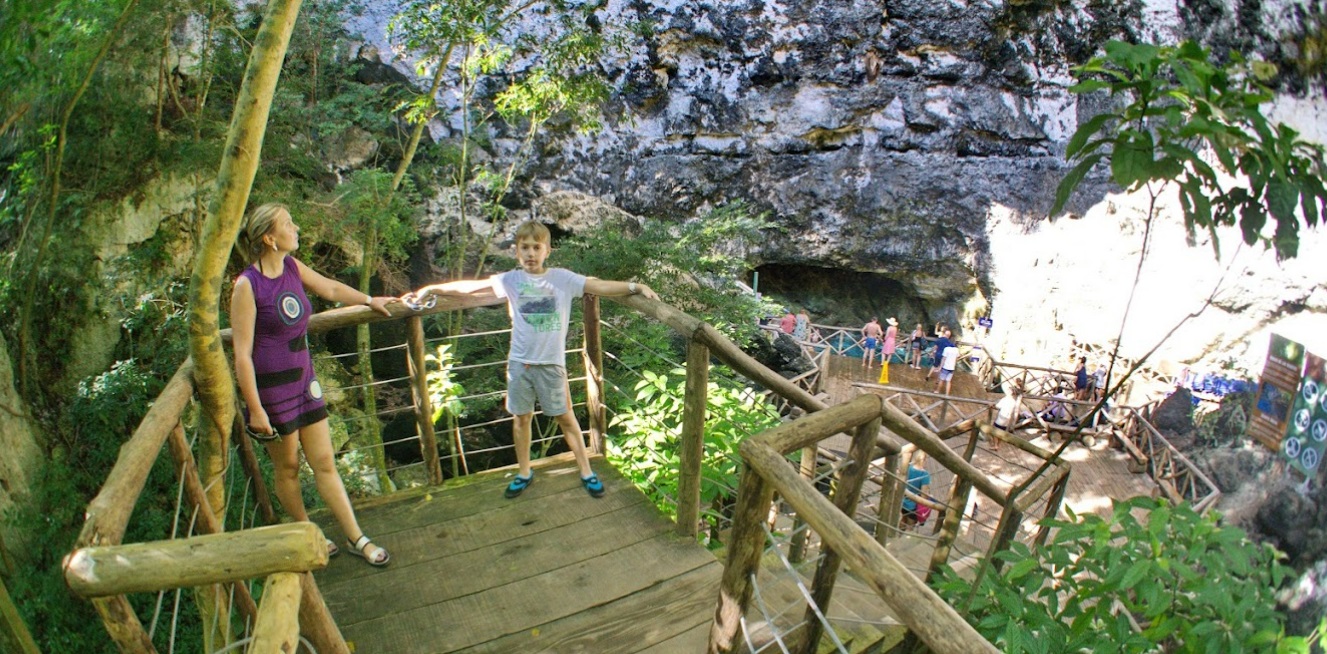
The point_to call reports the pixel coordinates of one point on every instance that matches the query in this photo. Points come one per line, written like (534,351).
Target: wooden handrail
(197,561)
(919,607)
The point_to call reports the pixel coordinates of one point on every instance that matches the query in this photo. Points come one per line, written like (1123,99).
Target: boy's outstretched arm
(456,287)
(595,286)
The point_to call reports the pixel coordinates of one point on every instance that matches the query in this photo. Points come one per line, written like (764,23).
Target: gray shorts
(529,382)
(946,375)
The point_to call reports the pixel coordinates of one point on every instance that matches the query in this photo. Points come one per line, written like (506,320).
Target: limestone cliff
(912,148)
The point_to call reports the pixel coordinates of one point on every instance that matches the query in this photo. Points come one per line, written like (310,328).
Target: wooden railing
(1130,428)
(109,511)
(1174,473)
(769,471)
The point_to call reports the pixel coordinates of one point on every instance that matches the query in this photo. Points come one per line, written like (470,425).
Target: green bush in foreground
(1151,578)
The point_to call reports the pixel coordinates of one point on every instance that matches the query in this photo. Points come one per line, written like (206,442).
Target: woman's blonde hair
(257,224)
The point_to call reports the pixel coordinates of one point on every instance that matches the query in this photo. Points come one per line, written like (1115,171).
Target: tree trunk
(239,164)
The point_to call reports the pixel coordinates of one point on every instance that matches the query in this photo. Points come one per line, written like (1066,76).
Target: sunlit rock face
(913,144)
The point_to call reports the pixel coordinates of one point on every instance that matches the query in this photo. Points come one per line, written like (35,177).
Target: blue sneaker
(593,486)
(518,485)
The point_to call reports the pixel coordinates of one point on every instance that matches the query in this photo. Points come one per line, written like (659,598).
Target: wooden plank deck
(1099,475)
(558,571)
(552,571)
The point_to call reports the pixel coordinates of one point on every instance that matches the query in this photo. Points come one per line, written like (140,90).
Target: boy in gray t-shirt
(539,303)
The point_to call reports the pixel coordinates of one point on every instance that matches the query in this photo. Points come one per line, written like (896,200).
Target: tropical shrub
(1150,578)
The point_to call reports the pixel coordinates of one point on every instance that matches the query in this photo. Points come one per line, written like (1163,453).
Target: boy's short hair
(535,230)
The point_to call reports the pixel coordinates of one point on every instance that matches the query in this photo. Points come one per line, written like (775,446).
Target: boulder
(1174,415)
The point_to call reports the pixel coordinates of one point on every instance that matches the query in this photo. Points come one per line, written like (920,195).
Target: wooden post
(801,534)
(419,385)
(851,478)
(594,375)
(249,462)
(746,544)
(207,520)
(1010,520)
(315,621)
(277,627)
(916,605)
(953,518)
(197,561)
(891,499)
(14,634)
(693,438)
(1052,510)
(123,625)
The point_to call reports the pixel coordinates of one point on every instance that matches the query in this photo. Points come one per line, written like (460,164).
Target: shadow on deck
(552,571)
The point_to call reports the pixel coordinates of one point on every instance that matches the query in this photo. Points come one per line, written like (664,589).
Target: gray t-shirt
(540,310)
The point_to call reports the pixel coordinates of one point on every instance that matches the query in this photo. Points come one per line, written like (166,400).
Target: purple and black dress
(287,387)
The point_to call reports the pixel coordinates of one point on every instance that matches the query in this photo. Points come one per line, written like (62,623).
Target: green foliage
(1175,104)
(645,437)
(531,84)
(444,391)
(1227,426)
(691,265)
(1190,584)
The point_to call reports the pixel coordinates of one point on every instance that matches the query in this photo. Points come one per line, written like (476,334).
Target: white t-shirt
(949,358)
(1005,411)
(540,310)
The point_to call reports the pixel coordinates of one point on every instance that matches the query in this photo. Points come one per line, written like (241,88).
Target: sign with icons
(1306,434)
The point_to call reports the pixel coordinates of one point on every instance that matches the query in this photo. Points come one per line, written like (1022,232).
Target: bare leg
(520,436)
(317,442)
(284,453)
(571,432)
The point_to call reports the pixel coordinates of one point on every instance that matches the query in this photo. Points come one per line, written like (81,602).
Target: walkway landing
(552,571)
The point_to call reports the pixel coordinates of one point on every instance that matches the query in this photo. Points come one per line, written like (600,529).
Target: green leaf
(1088,86)
(1286,239)
(1309,198)
(1252,220)
(1282,198)
(1084,132)
(1136,573)
(1131,161)
(1071,181)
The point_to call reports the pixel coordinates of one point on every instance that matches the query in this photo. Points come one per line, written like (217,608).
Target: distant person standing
(947,361)
(1081,389)
(1099,381)
(788,323)
(942,333)
(918,340)
(801,325)
(871,333)
(891,341)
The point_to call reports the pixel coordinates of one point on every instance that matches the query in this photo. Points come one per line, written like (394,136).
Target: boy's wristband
(631,288)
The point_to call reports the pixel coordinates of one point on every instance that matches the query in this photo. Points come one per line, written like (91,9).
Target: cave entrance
(844,298)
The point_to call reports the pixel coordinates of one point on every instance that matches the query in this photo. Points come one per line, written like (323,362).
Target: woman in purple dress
(269,314)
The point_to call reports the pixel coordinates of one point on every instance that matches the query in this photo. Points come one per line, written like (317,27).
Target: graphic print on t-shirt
(289,308)
(538,306)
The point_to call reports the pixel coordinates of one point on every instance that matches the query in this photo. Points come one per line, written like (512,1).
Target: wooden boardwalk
(558,571)
(1099,475)
(552,571)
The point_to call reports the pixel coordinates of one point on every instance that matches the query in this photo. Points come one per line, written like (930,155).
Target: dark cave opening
(843,298)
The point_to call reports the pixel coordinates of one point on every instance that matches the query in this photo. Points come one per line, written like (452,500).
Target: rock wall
(917,145)
(22,453)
